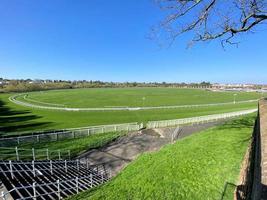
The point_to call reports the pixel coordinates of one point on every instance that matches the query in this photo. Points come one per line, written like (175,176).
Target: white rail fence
(67,134)
(50,166)
(98,175)
(200,119)
(80,186)
(87,131)
(9,153)
(28,104)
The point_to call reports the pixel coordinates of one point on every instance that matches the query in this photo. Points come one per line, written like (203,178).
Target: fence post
(10,169)
(73,134)
(33,168)
(59,156)
(66,168)
(91,180)
(102,129)
(69,154)
(33,154)
(77,185)
(17,140)
(102,177)
(47,154)
(34,190)
(109,175)
(58,189)
(51,167)
(77,164)
(88,132)
(17,153)
(3,195)
(38,139)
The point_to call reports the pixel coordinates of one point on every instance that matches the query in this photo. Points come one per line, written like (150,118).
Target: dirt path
(119,153)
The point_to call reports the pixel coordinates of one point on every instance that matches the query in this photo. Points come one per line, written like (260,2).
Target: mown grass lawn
(133,97)
(15,118)
(196,167)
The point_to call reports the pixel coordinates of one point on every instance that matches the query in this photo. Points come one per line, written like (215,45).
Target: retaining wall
(253,175)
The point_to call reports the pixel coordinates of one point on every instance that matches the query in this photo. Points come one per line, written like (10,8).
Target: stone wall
(262,157)
(253,176)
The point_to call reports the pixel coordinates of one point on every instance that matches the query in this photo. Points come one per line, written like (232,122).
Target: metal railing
(98,175)
(46,105)
(49,166)
(67,134)
(80,185)
(200,119)
(16,153)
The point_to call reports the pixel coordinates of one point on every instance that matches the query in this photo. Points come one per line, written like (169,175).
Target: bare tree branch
(211,19)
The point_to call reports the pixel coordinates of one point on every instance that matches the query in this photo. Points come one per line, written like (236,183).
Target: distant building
(238,87)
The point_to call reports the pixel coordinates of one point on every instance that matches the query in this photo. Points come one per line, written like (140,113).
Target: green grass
(134,97)
(15,118)
(80,145)
(201,166)
(76,146)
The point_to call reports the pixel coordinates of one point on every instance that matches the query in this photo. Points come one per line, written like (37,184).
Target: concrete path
(119,153)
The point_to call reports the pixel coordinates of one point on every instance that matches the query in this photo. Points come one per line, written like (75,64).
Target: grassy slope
(134,97)
(17,118)
(80,145)
(76,146)
(196,167)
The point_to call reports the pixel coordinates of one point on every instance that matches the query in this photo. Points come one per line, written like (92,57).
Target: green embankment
(200,167)
(75,146)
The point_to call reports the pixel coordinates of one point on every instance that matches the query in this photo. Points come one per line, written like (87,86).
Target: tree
(211,19)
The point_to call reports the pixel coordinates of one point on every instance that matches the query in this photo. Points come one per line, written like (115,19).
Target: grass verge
(76,146)
(15,118)
(200,167)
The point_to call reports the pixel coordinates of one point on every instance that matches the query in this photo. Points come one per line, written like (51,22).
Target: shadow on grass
(228,192)
(246,122)
(13,120)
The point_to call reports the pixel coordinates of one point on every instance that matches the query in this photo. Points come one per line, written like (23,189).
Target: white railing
(67,134)
(50,165)
(46,105)
(80,185)
(16,153)
(98,175)
(202,119)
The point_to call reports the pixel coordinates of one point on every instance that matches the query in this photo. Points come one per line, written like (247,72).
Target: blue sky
(106,40)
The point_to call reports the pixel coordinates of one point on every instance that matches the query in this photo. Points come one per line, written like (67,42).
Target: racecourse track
(50,106)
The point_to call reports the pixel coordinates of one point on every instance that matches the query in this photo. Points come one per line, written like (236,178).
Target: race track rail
(14,99)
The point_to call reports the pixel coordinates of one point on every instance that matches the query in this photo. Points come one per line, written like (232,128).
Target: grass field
(132,97)
(202,166)
(16,118)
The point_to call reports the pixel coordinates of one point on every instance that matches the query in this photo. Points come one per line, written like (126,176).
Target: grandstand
(49,179)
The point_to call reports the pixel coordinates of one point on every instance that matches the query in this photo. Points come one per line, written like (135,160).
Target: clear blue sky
(106,40)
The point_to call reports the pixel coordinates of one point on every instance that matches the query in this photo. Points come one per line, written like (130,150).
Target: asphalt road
(116,155)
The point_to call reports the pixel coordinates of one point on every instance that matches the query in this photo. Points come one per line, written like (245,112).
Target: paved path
(119,153)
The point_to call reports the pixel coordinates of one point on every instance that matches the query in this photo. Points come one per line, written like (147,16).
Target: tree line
(38,85)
